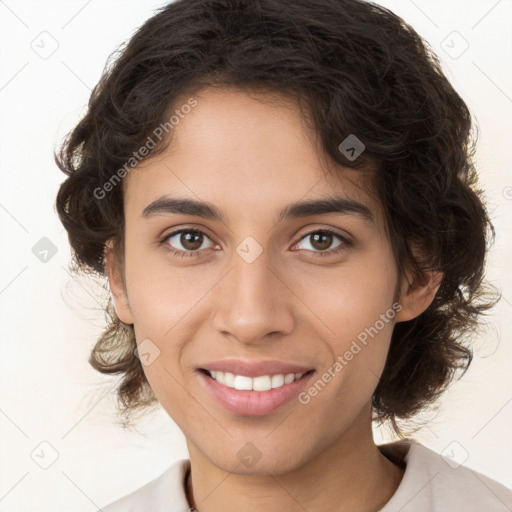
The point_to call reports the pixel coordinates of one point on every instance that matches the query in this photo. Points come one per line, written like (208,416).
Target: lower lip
(254,403)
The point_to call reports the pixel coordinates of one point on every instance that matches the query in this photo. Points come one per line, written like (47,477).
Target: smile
(253,396)
(261,383)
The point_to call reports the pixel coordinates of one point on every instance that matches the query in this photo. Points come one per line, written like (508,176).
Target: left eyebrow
(330,204)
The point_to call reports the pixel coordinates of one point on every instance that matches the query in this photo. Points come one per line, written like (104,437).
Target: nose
(253,300)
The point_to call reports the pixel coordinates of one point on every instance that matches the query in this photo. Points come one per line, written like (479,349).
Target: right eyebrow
(166,204)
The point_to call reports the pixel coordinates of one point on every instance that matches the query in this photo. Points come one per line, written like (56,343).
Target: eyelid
(344,235)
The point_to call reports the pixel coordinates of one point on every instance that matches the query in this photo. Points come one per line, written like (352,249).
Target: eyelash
(185,254)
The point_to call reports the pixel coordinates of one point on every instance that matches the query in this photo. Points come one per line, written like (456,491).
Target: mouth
(260,383)
(253,396)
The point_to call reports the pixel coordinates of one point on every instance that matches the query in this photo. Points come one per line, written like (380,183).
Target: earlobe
(117,286)
(417,293)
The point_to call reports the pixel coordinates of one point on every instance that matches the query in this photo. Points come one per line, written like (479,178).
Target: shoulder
(436,482)
(164,493)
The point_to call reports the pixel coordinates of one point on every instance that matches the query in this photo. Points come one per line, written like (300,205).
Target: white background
(49,320)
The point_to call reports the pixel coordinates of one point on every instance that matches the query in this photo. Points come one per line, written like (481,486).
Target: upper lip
(254,368)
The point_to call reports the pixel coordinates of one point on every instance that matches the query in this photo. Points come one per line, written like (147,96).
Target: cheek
(168,307)
(355,303)
(161,294)
(351,298)
(164,300)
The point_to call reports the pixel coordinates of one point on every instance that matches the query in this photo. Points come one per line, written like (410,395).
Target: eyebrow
(330,204)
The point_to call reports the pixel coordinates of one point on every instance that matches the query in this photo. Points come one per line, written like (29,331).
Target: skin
(250,156)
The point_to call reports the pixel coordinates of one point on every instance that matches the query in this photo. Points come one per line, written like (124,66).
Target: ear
(117,285)
(417,293)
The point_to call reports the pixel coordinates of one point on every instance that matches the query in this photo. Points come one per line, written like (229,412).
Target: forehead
(244,151)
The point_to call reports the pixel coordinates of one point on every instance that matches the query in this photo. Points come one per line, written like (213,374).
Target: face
(300,289)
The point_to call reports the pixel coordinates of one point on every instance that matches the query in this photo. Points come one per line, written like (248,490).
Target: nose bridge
(252,300)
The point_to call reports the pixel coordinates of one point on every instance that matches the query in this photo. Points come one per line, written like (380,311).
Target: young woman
(282,197)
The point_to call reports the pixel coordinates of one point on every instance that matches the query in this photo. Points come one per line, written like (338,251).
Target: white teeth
(277,381)
(243,383)
(261,383)
(229,380)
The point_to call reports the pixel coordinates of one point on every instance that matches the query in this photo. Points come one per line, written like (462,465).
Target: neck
(349,475)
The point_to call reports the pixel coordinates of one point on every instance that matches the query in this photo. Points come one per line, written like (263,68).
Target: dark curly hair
(357,68)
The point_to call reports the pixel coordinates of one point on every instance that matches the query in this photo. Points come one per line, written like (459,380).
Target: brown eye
(322,239)
(190,240)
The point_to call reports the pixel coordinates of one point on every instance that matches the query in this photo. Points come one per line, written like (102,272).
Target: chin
(251,461)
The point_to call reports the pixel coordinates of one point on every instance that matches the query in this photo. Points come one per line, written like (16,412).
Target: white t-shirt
(430,483)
